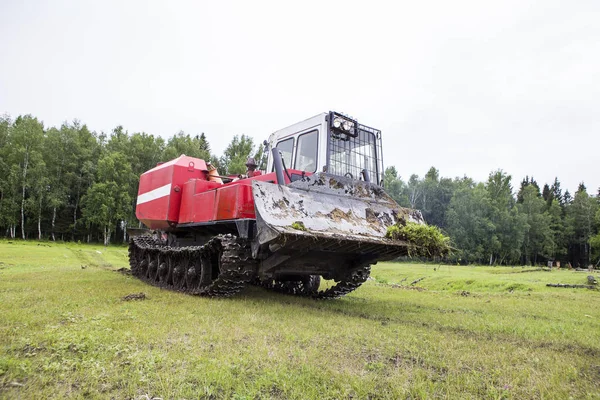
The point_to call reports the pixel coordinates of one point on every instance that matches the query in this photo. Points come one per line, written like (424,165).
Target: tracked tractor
(315,210)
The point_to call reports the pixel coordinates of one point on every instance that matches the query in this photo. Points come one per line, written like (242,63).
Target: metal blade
(327,206)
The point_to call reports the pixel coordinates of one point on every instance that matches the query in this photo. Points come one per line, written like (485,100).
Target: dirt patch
(334,183)
(124,271)
(407,360)
(357,191)
(405,287)
(4,265)
(134,296)
(338,215)
(282,203)
(522,271)
(371,216)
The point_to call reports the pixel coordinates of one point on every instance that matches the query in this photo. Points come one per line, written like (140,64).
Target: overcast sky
(465,86)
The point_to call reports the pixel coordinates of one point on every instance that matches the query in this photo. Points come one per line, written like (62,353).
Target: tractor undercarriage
(223,266)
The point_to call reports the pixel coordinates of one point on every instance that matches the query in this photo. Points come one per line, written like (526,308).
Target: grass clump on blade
(424,240)
(299,225)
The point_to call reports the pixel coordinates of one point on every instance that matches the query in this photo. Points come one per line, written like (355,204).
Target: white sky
(465,86)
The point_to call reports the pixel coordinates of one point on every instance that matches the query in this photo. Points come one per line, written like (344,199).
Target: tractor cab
(332,143)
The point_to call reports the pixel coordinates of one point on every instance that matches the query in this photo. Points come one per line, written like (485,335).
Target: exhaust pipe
(365,175)
(278,164)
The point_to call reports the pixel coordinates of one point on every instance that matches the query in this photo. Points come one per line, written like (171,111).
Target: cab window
(286,148)
(306,152)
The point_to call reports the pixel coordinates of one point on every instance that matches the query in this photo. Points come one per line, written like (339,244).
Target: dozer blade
(326,213)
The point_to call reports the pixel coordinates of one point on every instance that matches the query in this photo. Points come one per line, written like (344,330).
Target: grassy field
(462,332)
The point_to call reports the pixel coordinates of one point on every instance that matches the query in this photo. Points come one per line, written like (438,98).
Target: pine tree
(581,222)
(557,192)
(547,194)
(510,226)
(538,239)
(567,198)
(527,182)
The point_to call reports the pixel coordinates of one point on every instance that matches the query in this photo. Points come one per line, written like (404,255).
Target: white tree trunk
(23,215)
(40,219)
(53,222)
(75,215)
(106,236)
(40,226)
(25,165)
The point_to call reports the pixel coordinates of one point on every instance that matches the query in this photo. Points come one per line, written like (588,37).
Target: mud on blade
(328,213)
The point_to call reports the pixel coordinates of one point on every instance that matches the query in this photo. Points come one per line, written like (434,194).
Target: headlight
(343,124)
(348,126)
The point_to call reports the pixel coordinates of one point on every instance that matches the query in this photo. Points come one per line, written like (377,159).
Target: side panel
(235,202)
(152,207)
(160,191)
(204,201)
(198,201)
(154,214)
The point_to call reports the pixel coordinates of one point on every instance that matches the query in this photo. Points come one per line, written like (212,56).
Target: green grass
(469,332)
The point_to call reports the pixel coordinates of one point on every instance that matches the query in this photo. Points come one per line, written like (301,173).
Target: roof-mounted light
(342,124)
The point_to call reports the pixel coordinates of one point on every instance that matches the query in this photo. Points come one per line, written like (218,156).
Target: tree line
(489,223)
(72,183)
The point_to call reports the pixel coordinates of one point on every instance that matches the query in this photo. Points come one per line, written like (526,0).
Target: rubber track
(236,267)
(350,283)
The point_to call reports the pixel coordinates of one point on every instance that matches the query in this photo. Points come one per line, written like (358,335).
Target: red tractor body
(179,194)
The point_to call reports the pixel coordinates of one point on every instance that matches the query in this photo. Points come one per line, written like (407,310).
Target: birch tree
(26,143)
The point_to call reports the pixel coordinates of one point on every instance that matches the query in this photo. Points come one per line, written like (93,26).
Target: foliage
(233,161)
(394,186)
(509,224)
(298,225)
(424,240)
(580,219)
(538,238)
(595,249)
(469,224)
(182,143)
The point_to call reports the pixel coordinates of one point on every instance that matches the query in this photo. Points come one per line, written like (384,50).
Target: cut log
(565,285)
(417,281)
